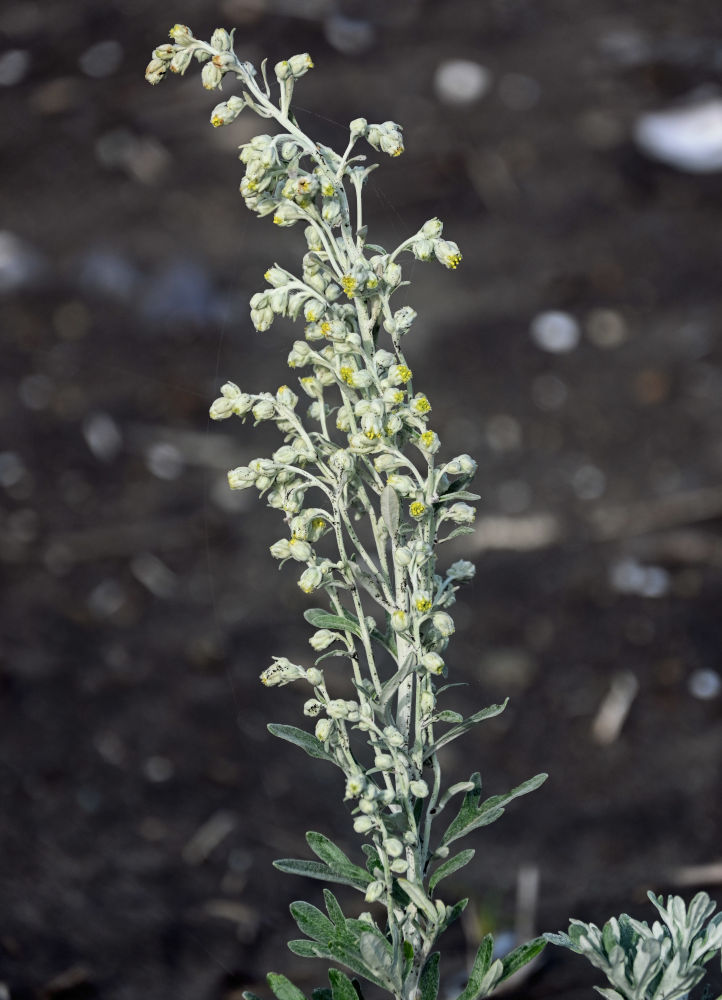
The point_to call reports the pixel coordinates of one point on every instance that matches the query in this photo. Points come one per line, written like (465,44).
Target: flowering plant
(366,500)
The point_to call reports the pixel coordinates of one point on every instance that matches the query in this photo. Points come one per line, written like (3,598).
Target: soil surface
(142,799)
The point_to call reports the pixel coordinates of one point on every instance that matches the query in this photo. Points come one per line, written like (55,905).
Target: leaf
(303,947)
(392,685)
(333,909)
(486,713)
(453,914)
(369,583)
(373,861)
(341,986)
(283,988)
(520,956)
(458,495)
(448,716)
(324,619)
(300,738)
(312,922)
(429,982)
(376,954)
(419,897)
(313,869)
(472,815)
(479,970)
(390,509)
(463,529)
(449,867)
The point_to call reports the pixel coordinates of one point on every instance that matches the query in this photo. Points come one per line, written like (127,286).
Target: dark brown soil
(139,603)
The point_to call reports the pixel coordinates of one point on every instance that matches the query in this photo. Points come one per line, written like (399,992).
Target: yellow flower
(348,283)
(346,374)
(417,509)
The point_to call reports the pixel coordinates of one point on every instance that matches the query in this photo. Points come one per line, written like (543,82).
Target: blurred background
(574,152)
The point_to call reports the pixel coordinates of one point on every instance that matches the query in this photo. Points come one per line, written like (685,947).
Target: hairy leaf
(314,869)
(333,909)
(479,970)
(324,619)
(429,982)
(390,509)
(283,988)
(300,738)
(520,956)
(463,727)
(449,867)
(453,914)
(312,922)
(341,986)
(473,815)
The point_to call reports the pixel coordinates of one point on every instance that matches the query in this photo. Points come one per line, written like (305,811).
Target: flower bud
(355,785)
(241,478)
(393,737)
(462,571)
(423,249)
(311,579)
(312,707)
(447,253)
(460,513)
(462,465)
(281,549)
(181,61)
(221,409)
(313,239)
(384,761)
(404,555)
(399,621)
(419,788)
(300,551)
(211,76)
(398,374)
(164,52)
(337,708)
(420,404)
(281,672)
(392,275)
(399,865)
(422,601)
(404,485)
(287,397)
(264,409)
(393,847)
(427,702)
(314,677)
(432,229)
(242,403)
(374,891)
(443,623)
(358,127)
(363,824)
(155,70)
(323,639)
(181,35)
(221,40)
(323,730)
(300,64)
(433,663)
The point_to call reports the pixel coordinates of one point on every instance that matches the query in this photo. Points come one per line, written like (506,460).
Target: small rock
(20,264)
(555,331)
(688,138)
(606,328)
(14,65)
(461,81)
(164,460)
(519,92)
(630,577)
(102,435)
(705,684)
(349,35)
(102,59)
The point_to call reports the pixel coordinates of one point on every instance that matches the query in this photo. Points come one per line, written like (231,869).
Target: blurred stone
(14,65)
(158,769)
(687,138)
(549,392)
(142,157)
(154,574)
(503,433)
(630,577)
(514,496)
(71,320)
(651,386)
(164,460)
(351,36)
(107,598)
(705,684)
(101,59)
(606,328)
(555,331)
(600,129)
(461,81)
(181,293)
(102,435)
(588,482)
(12,469)
(20,264)
(108,272)
(519,92)
(510,668)
(57,96)
(35,391)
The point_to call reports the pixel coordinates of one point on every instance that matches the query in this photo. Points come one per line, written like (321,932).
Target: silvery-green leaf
(482,961)
(283,988)
(449,867)
(417,895)
(316,870)
(333,909)
(390,509)
(303,947)
(429,981)
(453,914)
(324,619)
(312,922)
(370,584)
(463,727)
(448,716)
(472,815)
(341,986)
(377,955)
(300,738)
(520,956)
(463,529)
(392,685)
(458,495)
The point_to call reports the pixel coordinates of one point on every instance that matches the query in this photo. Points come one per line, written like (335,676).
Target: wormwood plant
(366,503)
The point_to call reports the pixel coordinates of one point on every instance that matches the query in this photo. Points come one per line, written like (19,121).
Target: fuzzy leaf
(328,852)
(370,584)
(429,982)
(314,869)
(390,509)
(392,685)
(449,867)
(452,734)
(283,988)
(324,619)
(303,947)
(472,815)
(300,738)
(334,910)
(463,529)
(454,913)
(418,896)
(341,986)
(520,956)
(458,495)
(376,954)
(312,922)
(479,970)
